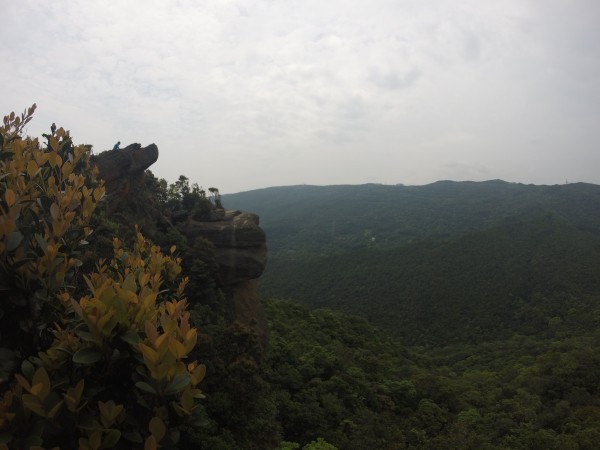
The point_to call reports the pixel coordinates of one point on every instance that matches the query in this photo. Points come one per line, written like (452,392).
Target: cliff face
(240,243)
(241,254)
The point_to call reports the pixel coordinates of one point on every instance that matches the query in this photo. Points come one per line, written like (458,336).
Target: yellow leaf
(23,382)
(33,404)
(177,349)
(106,324)
(53,145)
(190,340)
(10,197)
(161,341)
(54,211)
(41,377)
(66,169)
(98,194)
(73,396)
(143,279)
(150,356)
(157,428)
(32,168)
(36,389)
(187,401)
(150,443)
(129,283)
(198,374)
(52,413)
(150,329)
(96,439)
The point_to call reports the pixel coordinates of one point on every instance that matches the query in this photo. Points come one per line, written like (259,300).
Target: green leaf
(111,439)
(85,335)
(87,355)
(41,241)
(13,240)
(28,369)
(131,337)
(143,386)
(179,383)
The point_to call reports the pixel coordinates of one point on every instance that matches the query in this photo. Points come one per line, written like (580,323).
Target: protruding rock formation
(240,243)
(122,169)
(241,254)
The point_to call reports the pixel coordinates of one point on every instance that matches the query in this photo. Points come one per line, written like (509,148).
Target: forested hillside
(484,285)
(447,262)
(489,294)
(337,218)
(338,377)
(479,305)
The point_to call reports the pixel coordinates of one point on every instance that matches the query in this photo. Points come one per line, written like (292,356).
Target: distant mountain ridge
(343,217)
(448,262)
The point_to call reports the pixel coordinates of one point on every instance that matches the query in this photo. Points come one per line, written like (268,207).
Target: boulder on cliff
(124,168)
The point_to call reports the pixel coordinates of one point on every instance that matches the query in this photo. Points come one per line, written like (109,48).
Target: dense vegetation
(479,305)
(491,290)
(93,360)
(484,285)
(339,377)
(328,219)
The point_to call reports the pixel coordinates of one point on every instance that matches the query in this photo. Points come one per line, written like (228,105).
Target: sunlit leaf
(32,168)
(10,197)
(54,211)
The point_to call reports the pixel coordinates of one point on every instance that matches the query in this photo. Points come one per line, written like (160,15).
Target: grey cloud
(451,89)
(394,80)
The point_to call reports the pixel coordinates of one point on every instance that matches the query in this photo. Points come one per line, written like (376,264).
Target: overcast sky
(244,94)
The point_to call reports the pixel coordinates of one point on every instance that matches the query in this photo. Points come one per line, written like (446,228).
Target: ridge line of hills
(441,263)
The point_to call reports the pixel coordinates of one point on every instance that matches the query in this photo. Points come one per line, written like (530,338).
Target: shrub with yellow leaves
(102,365)
(47,197)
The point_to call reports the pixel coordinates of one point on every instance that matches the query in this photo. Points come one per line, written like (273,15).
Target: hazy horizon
(243,95)
(566,182)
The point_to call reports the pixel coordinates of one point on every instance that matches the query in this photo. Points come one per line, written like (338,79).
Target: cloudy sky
(244,94)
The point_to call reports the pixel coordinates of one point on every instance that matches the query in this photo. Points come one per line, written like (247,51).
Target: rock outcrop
(240,243)
(241,254)
(123,169)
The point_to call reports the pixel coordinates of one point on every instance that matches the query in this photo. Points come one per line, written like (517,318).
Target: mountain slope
(514,278)
(338,218)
